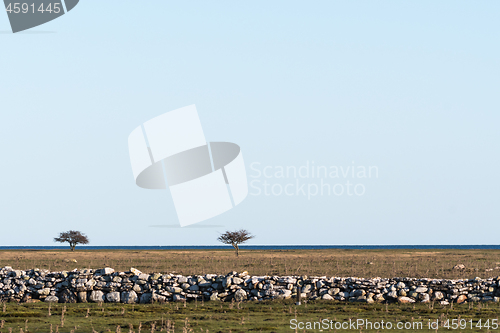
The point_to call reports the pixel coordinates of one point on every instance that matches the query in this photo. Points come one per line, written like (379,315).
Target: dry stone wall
(106,285)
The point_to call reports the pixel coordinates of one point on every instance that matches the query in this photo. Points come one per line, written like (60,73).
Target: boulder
(67,296)
(51,299)
(178,298)
(129,297)
(405,300)
(113,297)
(424,298)
(145,298)
(82,296)
(461,299)
(240,295)
(97,296)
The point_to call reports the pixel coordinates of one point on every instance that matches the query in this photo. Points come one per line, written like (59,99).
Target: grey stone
(143,277)
(237,280)
(145,298)
(240,295)
(333,291)
(44,292)
(405,299)
(178,298)
(113,297)
(226,282)
(424,298)
(194,288)
(392,294)
(107,271)
(97,296)
(307,288)
(67,296)
(421,289)
(82,296)
(129,297)
(438,296)
(51,299)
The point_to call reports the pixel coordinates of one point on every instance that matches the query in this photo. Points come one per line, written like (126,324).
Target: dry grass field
(332,262)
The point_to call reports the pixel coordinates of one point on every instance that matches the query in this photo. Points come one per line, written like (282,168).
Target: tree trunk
(237,249)
(72,246)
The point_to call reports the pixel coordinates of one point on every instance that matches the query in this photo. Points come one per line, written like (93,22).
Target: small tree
(235,238)
(73,238)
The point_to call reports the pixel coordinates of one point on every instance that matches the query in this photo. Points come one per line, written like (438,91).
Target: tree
(73,238)
(235,238)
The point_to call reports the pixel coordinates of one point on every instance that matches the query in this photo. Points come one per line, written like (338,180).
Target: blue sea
(264,247)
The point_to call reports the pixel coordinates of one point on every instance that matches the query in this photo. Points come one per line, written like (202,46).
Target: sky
(408,88)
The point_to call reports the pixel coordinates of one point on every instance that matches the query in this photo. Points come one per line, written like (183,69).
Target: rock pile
(106,285)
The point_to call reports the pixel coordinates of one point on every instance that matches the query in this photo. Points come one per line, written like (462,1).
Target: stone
(135,271)
(143,277)
(240,295)
(67,296)
(424,298)
(438,296)
(44,292)
(392,294)
(214,296)
(421,289)
(237,280)
(113,297)
(51,299)
(333,291)
(459,266)
(194,288)
(327,297)
(90,283)
(174,290)
(307,288)
(157,298)
(358,292)
(178,298)
(107,271)
(82,296)
(129,297)
(97,296)
(226,282)
(461,299)
(405,300)
(145,298)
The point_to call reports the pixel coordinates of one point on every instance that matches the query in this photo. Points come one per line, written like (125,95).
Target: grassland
(359,263)
(214,317)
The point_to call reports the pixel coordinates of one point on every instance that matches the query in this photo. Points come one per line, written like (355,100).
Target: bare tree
(235,238)
(73,238)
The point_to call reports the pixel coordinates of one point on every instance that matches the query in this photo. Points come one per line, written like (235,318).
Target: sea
(264,247)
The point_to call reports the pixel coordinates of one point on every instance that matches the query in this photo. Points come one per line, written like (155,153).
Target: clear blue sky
(408,86)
